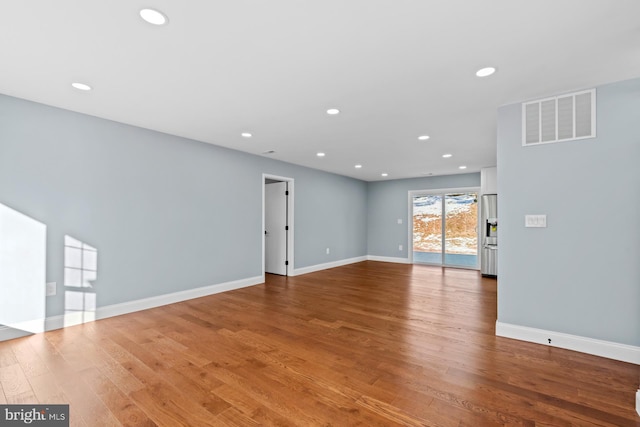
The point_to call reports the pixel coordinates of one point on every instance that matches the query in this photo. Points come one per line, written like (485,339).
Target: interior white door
(275,224)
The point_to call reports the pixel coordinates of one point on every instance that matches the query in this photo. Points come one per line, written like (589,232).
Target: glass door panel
(427,229)
(461,232)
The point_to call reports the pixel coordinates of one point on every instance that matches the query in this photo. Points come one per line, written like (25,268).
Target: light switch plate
(539,221)
(51,289)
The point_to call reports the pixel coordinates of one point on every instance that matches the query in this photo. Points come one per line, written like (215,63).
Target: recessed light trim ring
(154,17)
(485,72)
(81,86)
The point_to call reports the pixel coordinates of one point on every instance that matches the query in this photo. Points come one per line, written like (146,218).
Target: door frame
(290,204)
(443,192)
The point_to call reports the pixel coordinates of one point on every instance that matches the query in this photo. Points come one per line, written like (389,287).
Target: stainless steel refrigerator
(489,235)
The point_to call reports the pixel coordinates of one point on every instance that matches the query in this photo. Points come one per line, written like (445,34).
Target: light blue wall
(334,210)
(581,274)
(388,201)
(165,213)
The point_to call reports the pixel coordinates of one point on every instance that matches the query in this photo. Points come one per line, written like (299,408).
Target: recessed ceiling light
(462,167)
(484,72)
(423,137)
(358,166)
(333,111)
(384,174)
(246,135)
(446,156)
(154,17)
(81,86)
(320,154)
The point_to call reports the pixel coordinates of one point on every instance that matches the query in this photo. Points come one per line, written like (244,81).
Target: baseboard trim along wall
(325,266)
(608,349)
(388,259)
(61,321)
(339,263)
(9,333)
(77,318)
(28,326)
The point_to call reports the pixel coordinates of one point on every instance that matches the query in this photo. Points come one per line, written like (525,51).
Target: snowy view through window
(461,218)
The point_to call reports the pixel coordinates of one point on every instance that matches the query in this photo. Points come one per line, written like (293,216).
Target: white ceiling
(396,69)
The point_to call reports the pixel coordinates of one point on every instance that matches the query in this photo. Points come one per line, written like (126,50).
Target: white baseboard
(608,349)
(29,326)
(21,329)
(388,259)
(333,264)
(9,333)
(318,267)
(77,318)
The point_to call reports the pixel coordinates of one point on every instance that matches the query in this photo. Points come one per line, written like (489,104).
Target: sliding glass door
(427,229)
(445,229)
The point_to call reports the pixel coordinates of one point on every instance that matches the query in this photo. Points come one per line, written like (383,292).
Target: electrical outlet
(399,247)
(51,289)
(328,251)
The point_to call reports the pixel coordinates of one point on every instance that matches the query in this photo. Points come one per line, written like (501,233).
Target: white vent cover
(560,118)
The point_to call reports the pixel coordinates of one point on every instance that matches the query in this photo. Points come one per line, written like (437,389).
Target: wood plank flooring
(369,344)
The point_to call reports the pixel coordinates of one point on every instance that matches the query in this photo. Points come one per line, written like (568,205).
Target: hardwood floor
(369,344)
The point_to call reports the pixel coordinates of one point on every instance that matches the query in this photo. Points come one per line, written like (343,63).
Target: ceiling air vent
(560,118)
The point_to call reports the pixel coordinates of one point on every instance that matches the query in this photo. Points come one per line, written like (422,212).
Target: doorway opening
(277,225)
(444,228)
(23,260)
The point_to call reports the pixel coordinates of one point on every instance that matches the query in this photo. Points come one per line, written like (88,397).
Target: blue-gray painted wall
(169,214)
(388,201)
(581,274)
(165,213)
